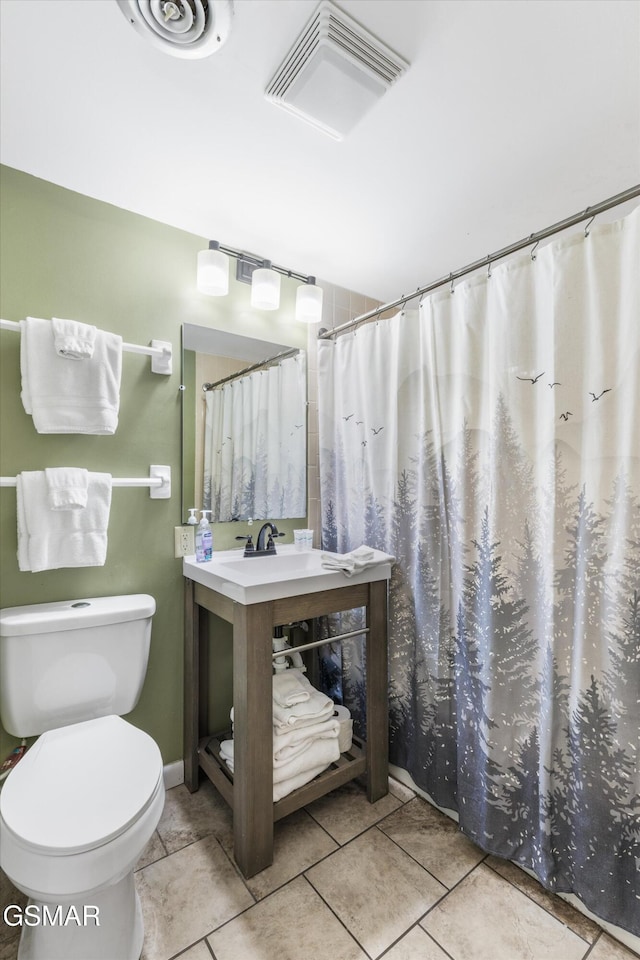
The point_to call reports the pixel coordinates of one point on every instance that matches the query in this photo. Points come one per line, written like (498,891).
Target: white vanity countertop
(290,573)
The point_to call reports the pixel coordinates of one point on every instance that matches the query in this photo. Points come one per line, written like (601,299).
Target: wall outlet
(185,543)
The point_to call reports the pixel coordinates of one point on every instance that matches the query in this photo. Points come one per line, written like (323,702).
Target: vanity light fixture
(213,271)
(265,287)
(264,277)
(309,302)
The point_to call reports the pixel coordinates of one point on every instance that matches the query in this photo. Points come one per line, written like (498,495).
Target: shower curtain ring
(535,247)
(451,290)
(586,229)
(488,266)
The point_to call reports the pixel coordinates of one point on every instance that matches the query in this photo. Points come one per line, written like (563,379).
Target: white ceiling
(513,115)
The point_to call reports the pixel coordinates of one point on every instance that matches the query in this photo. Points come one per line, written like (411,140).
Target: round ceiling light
(183,28)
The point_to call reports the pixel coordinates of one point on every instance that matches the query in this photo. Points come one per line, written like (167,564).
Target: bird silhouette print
(555,384)
(375,431)
(608,390)
(359,423)
(347,418)
(531,379)
(565,416)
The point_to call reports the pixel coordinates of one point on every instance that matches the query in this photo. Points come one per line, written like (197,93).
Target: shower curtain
(490,441)
(255,448)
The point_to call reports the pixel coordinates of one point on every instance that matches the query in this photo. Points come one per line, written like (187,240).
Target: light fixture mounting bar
(252,261)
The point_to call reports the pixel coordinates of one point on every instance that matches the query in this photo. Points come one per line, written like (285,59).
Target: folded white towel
(317,707)
(288,688)
(354,562)
(50,539)
(285,787)
(68,487)
(286,746)
(298,770)
(69,397)
(72,339)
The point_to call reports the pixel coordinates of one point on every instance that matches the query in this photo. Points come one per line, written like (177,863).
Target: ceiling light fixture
(309,302)
(264,277)
(213,271)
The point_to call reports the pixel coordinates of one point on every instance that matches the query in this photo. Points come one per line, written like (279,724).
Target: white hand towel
(68,487)
(288,689)
(50,539)
(72,339)
(354,562)
(285,787)
(69,397)
(317,707)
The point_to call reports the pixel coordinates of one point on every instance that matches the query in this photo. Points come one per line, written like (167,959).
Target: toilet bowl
(78,809)
(75,816)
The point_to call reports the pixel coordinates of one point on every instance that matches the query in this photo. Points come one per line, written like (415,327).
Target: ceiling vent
(191,29)
(334,73)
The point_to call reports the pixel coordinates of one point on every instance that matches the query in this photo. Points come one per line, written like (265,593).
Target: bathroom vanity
(255,595)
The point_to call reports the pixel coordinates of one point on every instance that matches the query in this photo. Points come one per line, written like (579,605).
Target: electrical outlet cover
(184,541)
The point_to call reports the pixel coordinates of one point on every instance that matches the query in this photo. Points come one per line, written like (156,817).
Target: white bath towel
(286,746)
(67,397)
(288,688)
(72,339)
(50,539)
(354,562)
(68,487)
(297,771)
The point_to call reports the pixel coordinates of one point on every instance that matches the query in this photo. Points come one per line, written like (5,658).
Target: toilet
(79,808)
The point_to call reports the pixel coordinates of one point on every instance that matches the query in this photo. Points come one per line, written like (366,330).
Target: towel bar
(159,481)
(160,351)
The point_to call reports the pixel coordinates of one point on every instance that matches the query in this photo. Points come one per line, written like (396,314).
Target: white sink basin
(290,573)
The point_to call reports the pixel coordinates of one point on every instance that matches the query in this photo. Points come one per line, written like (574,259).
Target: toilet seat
(81,786)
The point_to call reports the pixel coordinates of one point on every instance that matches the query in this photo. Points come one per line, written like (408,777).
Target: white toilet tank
(61,663)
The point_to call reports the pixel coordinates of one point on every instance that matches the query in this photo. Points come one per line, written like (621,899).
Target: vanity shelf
(249,790)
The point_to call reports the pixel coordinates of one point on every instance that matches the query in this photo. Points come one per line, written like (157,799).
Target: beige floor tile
(400,791)
(153,851)
(375,889)
(200,951)
(186,896)
(416,945)
(291,924)
(609,949)
(9,948)
(346,812)
(433,839)
(9,936)
(188,817)
(486,918)
(298,843)
(567,914)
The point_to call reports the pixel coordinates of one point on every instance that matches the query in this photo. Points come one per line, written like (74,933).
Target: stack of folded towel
(305,733)
(64,396)
(63,514)
(354,562)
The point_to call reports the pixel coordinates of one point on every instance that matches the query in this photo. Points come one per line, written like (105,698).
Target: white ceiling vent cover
(334,73)
(190,29)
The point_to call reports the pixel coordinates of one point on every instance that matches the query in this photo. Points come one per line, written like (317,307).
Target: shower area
(489,438)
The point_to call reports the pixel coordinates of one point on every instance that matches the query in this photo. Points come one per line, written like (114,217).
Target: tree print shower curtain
(490,441)
(255,447)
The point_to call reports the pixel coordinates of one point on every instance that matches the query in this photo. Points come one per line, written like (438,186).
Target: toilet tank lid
(74,614)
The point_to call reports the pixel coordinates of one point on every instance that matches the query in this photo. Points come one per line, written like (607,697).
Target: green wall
(63,254)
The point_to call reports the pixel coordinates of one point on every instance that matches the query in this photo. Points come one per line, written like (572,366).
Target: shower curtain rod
(254,366)
(588,214)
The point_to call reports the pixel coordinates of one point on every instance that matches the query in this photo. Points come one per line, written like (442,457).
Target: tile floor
(350,881)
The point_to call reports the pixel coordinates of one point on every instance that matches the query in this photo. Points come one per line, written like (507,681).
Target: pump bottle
(204,539)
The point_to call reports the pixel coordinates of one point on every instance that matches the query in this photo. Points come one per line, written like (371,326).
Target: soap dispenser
(204,539)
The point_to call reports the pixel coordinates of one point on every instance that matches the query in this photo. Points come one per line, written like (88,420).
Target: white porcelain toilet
(78,809)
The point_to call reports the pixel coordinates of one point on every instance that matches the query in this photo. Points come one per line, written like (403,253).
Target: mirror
(260,417)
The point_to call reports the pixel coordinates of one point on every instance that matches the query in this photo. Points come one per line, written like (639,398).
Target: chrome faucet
(267,532)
